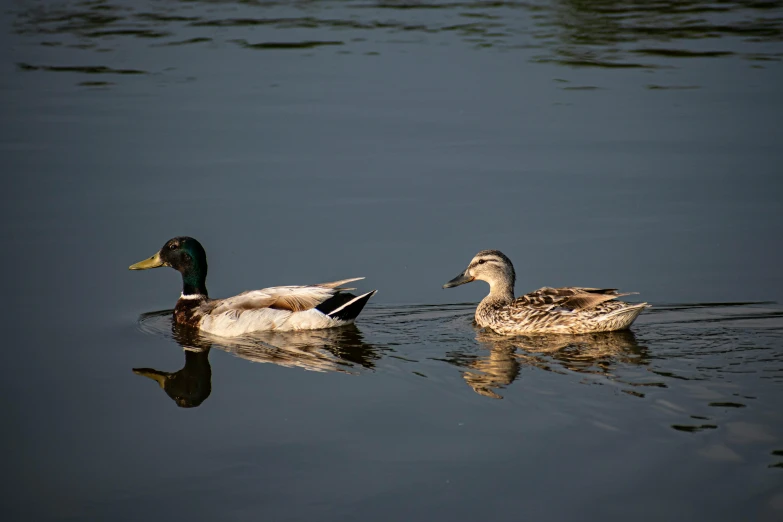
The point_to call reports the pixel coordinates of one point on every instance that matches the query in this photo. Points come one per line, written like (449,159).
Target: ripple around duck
(696,366)
(681,343)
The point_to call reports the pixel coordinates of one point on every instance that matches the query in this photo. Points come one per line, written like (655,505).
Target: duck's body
(569,310)
(281,308)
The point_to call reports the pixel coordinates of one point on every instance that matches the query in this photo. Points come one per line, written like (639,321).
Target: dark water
(613,144)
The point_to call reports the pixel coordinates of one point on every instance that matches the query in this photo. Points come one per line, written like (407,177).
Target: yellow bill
(153,262)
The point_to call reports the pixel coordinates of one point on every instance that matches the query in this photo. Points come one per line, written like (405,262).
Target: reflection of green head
(188,387)
(185,255)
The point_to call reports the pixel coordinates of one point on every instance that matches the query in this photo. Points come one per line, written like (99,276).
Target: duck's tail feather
(335,302)
(622,318)
(345,307)
(336,284)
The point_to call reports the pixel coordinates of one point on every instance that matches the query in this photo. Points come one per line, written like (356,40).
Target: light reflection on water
(613,34)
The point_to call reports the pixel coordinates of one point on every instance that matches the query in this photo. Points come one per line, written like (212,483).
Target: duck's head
(491,266)
(185,255)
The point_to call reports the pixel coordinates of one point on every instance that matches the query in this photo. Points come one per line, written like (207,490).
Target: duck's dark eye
(172,246)
(481,261)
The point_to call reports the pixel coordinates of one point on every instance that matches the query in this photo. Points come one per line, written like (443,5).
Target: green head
(185,255)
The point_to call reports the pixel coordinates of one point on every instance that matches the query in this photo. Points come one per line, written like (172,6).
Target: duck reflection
(596,353)
(330,350)
(497,370)
(191,385)
(327,350)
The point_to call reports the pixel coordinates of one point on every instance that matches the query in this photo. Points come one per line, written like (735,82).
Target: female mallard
(277,308)
(569,310)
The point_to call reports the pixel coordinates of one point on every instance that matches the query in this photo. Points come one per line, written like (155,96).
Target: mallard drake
(569,310)
(280,308)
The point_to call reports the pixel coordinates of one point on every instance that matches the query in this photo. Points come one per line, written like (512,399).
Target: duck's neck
(194,285)
(500,293)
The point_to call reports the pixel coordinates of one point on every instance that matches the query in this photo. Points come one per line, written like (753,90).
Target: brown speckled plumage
(570,310)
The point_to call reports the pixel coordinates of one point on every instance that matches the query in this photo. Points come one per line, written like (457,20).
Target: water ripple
(573,33)
(697,366)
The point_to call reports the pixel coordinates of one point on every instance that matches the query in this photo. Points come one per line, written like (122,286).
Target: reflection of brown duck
(587,353)
(191,385)
(498,370)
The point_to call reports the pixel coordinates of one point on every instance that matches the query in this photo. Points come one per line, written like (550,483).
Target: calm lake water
(634,145)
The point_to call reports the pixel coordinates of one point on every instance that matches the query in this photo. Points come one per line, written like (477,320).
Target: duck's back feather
(291,298)
(570,298)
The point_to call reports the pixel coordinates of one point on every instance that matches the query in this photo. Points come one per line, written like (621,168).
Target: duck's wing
(569,298)
(288,298)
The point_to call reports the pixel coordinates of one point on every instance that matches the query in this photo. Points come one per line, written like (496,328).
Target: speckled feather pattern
(525,315)
(567,310)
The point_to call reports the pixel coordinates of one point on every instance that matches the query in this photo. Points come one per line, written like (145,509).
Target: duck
(279,308)
(567,310)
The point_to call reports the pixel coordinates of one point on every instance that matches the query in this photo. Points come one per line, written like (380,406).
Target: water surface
(610,144)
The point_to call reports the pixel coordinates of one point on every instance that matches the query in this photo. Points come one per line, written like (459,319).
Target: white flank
(232,323)
(261,310)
